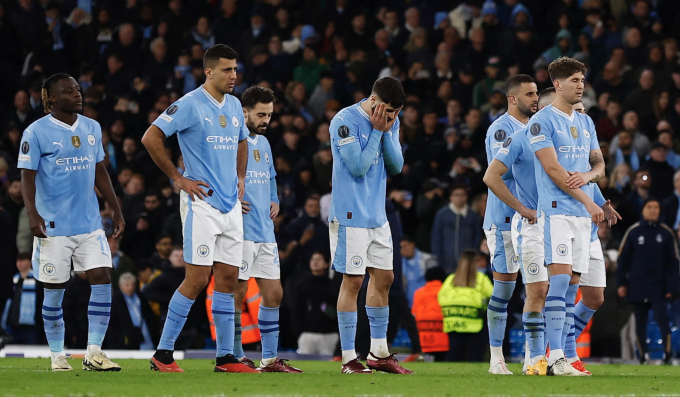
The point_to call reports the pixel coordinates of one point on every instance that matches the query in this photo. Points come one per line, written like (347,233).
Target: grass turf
(31,377)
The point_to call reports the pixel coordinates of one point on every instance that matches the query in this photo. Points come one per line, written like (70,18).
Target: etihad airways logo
(76,163)
(574,152)
(223,142)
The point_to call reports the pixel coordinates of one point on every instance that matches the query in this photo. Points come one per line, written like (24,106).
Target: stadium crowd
(134,58)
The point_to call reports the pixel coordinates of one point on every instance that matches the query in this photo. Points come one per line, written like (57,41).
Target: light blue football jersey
(260,191)
(208,134)
(65,158)
(573,137)
(596,194)
(358,198)
(498,213)
(516,154)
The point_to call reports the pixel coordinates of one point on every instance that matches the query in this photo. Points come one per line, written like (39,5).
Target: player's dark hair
(23,256)
(516,81)
(545,93)
(435,274)
(390,91)
(214,53)
(47,89)
(254,95)
(563,67)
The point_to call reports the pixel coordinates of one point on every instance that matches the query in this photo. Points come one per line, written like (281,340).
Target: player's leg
(348,257)
(380,263)
(52,266)
(504,266)
(240,292)
(568,331)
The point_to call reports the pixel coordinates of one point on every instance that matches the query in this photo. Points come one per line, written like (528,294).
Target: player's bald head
(546,97)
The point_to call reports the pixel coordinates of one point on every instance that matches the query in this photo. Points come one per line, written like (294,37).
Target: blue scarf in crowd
(134,305)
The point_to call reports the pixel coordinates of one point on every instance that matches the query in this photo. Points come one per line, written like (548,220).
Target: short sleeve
(177,117)
(510,152)
(594,143)
(497,136)
(343,132)
(272,169)
(29,151)
(100,148)
(243,134)
(540,135)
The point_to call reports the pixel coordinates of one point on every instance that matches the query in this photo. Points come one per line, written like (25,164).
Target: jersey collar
(362,111)
(64,125)
(514,120)
(213,100)
(561,113)
(253,140)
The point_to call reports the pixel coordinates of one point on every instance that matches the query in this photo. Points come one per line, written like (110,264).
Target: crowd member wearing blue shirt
(260,205)
(365,147)
(212,136)
(567,158)
(522,104)
(61,159)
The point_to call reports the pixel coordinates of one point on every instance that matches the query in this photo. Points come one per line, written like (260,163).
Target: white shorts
(567,240)
(260,260)
(597,274)
(52,255)
(353,249)
(210,235)
(527,239)
(504,259)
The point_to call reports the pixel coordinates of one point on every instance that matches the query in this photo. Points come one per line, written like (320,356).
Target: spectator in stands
(414,264)
(620,179)
(666,139)
(321,95)
(121,262)
(428,203)
(25,310)
(132,321)
(455,229)
(160,260)
(609,124)
(309,232)
(641,100)
(484,89)
(640,140)
(625,154)
(659,170)
(648,274)
(641,191)
(671,204)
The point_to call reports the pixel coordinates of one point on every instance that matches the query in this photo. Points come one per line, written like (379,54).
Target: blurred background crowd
(133,58)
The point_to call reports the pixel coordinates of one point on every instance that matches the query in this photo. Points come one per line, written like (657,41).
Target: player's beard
(256,129)
(527,111)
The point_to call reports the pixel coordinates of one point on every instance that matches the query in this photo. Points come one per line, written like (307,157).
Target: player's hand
(118,224)
(241,188)
(273,210)
(576,180)
(623,291)
(379,119)
(37,225)
(595,212)
(529,215)
(192,188)
(245,207)
(610,213)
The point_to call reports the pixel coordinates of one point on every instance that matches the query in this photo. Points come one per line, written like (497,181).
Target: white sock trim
(266,361)
(348,355)
(497,353)
(379,348)
(93,348)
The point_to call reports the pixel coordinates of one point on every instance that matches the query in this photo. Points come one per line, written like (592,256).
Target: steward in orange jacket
(428,313)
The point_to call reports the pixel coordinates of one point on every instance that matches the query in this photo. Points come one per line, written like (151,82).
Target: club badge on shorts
(533,269)
(203,251)
(223,121)
(75,140)
(49,269)
(256,155)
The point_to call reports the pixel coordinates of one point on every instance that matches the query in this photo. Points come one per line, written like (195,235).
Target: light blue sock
(178,310)
(555,309)
(268,321)
(98,313)
(238,342)
(378,318)
(568,340)
(53,319)
(347,323)
(533,332)
(582,316)
(497,313)
(223,317)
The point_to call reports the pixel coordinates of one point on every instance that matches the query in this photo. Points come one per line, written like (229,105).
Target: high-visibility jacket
(429,318)
(583,341)
(464,307)
(250,307)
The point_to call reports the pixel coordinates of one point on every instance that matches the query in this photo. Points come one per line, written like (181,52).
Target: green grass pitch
(31,377)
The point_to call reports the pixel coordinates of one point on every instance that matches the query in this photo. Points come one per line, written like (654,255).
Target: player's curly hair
(254,95)
(47,87)
(563,67)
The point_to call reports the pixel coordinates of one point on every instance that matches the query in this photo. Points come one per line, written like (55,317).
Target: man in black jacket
(648,273)
(133,324)
(670,205)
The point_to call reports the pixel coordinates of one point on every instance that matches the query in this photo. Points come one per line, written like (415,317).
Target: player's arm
(102,181)
(241,165)
(35,221)
(610,214)
(175,119)
(358,161)
(273,198)
(391,149)
(494,180)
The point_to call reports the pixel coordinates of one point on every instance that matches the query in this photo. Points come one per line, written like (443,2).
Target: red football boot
(160,367)
(355,367)
(230,364)
(280,365)
(388,364)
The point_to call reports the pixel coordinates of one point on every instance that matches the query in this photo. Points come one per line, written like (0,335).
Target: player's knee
(537,292)
(100,275)
(352,283)
(593,300)
(384,282)
(273,297)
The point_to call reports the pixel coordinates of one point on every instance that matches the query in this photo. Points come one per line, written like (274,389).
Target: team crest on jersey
(574,132)
(533,269)
(49,269)
(535,129)
(75,140)
(500,135)
(90,140)
(659,239)
(256,155)
(25,147)
(234,121)
(586,133)
(266,156)
(641,240)
(562,250)
(356,261)
(203,251)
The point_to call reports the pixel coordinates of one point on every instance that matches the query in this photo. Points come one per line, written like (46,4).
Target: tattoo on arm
(595,159)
